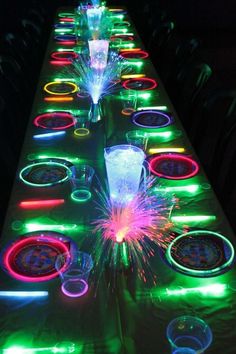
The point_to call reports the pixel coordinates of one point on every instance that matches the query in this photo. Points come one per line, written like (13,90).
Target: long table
(132,316)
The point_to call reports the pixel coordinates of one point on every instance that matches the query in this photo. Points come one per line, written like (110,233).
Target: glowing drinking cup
(124,165)
(188,333)
(98,50)
(75,278)
(137,138)
(94,16)
(81,182)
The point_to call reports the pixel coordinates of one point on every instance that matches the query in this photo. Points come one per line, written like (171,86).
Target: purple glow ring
(79,294)
(135,116)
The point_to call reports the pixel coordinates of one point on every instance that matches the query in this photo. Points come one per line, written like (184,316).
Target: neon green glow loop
(68,170)
(200,272)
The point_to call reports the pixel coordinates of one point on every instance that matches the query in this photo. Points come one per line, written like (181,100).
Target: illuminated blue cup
(188,332)
(124,165)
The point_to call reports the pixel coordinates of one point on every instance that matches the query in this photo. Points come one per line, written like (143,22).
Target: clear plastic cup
(81,183)
(137,138)
(75,277)
(189,332)
(129,101)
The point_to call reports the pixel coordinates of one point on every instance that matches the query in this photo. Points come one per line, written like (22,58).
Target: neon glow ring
(171,160)
(196,272)
(151,119)
(50,85)
(81,132)
(123,37)
(65,55)
(70,294)
(132,54)
(21,245)
(81,195)
(127,111)
(55,120)
(128,84)
(65,167)
(82,94)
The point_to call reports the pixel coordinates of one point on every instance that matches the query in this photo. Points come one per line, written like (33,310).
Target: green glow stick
(213,289)
(192,218)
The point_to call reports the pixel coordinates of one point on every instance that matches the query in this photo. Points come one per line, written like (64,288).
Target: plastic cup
(129,102)
(189,332)
(81,183)
(137,138)
(75,277)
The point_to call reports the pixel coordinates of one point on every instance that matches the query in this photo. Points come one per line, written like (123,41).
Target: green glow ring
(68,170)
(85,195)
(212,272)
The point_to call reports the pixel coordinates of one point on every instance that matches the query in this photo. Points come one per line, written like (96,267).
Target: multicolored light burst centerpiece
(99,77)
(131,228)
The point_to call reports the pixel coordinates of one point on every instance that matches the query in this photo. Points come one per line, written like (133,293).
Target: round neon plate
(66,14)
(173,166)
(65,55)
(55,121)
(151,119)
(118,11)
(32,257)
(64,25)
(60,88)
(46,172)
(66,38)
(139,54)
(141,84)
(122,24)
(123,37)
(200,253)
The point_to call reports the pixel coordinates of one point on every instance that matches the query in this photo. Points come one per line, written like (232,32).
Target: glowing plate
(67,14)
(173,166)
(151,119)
(46,172)
(64,55)
(60,88)
(118,11)
(141,84)
(55,120)
(64,25)
(123,37)
(32,257)
(200,253)
(122,24)
(66,39)
(133,54)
